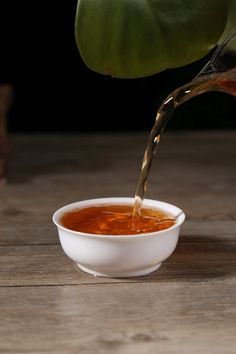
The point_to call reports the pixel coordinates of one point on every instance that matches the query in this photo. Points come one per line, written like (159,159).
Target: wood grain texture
(119,318)
(188,306)
(43,234)
(47,265)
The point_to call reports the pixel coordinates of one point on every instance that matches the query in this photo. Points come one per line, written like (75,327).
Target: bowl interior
(154,204)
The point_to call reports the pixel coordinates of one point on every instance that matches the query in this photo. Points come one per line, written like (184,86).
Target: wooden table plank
(203,231)
(119,318)
(181,175)
(47,265)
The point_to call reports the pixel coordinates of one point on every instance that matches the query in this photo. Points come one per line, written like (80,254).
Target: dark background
(55,91)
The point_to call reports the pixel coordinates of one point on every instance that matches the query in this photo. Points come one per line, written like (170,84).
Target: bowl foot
(123,274)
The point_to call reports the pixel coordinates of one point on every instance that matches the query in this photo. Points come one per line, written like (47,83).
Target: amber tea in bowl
(104,239)
(109,219)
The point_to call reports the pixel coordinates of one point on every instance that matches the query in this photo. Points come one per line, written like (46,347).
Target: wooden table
(187,306)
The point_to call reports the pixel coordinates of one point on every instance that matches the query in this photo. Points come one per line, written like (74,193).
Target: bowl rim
(119,200)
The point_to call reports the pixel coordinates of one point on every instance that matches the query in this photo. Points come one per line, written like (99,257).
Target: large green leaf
(135,38)
(231,19)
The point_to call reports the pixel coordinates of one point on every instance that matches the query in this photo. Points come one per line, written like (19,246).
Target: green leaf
(136,38)
(231,19)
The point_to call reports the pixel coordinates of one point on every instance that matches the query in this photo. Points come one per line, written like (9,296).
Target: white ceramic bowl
(122,255)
